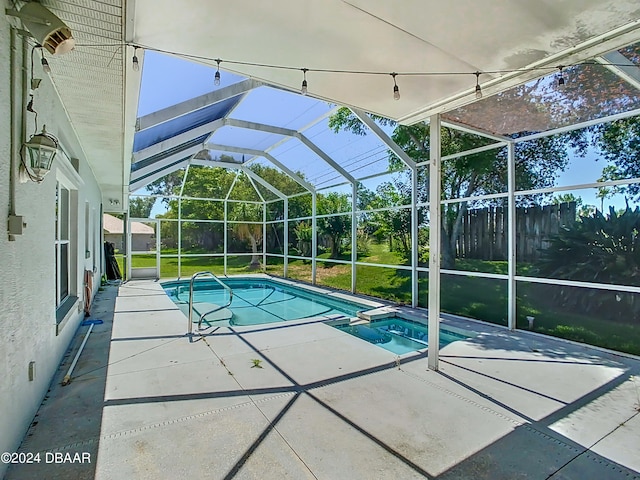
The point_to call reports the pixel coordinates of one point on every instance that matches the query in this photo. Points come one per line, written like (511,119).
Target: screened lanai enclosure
(537,188)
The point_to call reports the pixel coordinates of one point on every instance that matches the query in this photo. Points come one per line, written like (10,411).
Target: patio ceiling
(97,90)
(457,38)
(248,122)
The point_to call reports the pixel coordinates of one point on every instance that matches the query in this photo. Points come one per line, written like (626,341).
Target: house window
(87,230)
(62,243)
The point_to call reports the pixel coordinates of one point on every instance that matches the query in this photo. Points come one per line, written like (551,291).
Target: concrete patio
(148,403)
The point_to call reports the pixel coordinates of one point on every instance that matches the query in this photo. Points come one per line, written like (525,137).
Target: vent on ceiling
(51,32)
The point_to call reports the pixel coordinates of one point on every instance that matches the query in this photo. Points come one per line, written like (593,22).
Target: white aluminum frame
(346,178)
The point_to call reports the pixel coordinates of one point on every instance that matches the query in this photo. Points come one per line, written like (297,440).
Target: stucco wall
(28,327)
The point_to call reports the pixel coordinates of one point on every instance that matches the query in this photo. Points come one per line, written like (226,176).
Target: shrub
(600,249)
(363,243)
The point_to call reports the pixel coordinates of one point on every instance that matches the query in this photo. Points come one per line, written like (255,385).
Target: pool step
(202,307)
(358,321)
(378,313)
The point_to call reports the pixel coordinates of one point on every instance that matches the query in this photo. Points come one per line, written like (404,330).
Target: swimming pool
(398,335)
(256,301)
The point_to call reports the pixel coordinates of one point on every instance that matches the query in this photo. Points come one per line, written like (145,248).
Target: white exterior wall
(28,328)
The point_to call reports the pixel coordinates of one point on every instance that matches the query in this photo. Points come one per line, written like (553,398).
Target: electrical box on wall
(16,224)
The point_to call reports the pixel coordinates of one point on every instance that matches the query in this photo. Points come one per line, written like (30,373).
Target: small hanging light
(40,151)
(396,89)
(45,65)
(303,89)
(560,76)
(216,77)
(478,87)
(136,63)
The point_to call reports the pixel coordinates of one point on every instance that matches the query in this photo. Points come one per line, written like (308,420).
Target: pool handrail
(193,277)
(215,309)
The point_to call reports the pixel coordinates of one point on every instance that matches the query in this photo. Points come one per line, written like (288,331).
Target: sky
(168,80)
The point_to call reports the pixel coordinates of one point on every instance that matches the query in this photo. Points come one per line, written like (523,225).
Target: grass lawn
(191,265)
(480,298)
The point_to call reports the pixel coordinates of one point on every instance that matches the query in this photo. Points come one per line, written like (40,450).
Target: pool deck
(305,400)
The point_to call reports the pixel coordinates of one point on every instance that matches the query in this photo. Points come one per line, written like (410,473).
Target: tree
(392,224)
(202,183)
(336,227)
(538,163)
(619,142)
(567,198)
(243,215)
(543,103)
(303,233)
(140,207)
(582,209)
(167,185)
(615,172)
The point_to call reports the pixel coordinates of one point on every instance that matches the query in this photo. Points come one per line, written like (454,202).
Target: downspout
(18,126)
(13,121)
(103,264)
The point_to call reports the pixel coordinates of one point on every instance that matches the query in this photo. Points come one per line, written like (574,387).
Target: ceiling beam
(233,184)
(294,176)
(294,134)
(194,104)
(135,185)
(261,127)
(252,175)
(257,178)
(178,140)
(160,164)
(233,149)
(315,149)
(475,131)
(253,184)
(622,67)
(378,132)
(258,153)
(578,126)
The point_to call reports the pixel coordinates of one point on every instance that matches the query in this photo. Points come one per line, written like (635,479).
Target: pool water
(398,335)
(257,301)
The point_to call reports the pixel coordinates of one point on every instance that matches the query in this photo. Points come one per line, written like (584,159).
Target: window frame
(62,239)
(68,177)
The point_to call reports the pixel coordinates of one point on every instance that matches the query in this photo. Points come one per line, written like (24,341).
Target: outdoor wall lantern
(38,154)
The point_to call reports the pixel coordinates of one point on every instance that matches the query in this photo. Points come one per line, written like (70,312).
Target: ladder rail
(215,309)
(191,283)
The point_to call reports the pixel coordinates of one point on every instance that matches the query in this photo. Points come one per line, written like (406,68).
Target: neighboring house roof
(114,225)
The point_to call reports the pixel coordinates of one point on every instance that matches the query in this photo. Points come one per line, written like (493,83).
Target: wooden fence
(483,235)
